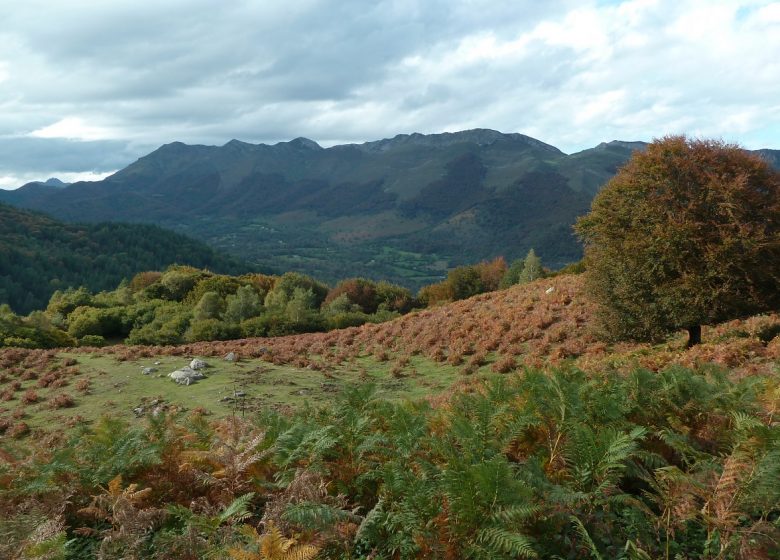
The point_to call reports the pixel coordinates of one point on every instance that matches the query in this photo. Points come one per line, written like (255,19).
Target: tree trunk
(694,336)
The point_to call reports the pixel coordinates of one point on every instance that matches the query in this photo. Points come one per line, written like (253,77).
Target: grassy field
(420,355)
(78,388)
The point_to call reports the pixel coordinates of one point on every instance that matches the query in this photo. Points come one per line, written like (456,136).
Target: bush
(92,340)
(348,319)
(211,329)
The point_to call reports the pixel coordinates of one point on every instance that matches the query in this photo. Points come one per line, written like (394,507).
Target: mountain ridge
(402,209)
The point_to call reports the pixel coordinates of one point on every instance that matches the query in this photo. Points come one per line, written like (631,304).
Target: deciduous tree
(687,233)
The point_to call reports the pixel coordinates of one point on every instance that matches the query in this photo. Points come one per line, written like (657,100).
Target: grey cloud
(203,71)
(44,155)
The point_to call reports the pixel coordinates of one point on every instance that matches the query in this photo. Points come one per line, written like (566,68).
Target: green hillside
(39,255)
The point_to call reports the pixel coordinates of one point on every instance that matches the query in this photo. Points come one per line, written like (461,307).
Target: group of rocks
(191,373)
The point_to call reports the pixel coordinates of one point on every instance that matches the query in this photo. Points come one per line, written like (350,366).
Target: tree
(209,307)
(687,233)
(246,303)
(512,274)
(359,291)
(532,268)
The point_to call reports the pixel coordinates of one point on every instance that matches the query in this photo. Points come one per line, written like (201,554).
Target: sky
(87,87)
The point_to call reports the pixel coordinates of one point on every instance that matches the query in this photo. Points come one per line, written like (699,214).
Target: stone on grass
(186,376)
(231,357)
(197,363)
(149,370)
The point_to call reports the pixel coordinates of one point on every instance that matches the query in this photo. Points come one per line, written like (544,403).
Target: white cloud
(74,128)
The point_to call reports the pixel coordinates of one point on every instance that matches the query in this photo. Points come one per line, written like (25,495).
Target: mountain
(39,255)
(402,209)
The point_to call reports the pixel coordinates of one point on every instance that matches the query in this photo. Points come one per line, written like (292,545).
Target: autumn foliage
(686,234)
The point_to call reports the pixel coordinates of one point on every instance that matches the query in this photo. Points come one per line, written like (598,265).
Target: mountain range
(402,209)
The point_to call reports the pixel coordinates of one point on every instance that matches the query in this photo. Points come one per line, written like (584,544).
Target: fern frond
(515,514)
(237,510)
(507,542)
(583,532)
(239,554)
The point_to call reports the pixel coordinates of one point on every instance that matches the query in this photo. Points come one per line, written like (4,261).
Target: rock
(157,363)
(549,290)
(197,364)
(239,394)
(139,411)
(186,376)
(231,357)
(149,370)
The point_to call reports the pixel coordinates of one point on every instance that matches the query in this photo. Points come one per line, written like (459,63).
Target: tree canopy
(687,233)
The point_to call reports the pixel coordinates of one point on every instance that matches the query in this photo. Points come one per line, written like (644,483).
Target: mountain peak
(631,145)
(302,142)
(54,182)
(479,136)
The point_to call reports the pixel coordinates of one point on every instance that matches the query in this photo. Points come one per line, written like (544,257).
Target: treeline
(39,255)
(187,304)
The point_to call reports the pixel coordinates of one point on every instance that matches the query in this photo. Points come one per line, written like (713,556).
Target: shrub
(92,340)
(63,400)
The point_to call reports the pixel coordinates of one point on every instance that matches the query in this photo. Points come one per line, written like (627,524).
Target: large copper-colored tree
(686,234)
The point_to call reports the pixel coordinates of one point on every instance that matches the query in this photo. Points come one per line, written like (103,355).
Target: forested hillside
(39,255)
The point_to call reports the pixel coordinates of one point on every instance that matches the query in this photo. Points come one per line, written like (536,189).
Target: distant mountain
(39,255)
(28,194)
(403,208)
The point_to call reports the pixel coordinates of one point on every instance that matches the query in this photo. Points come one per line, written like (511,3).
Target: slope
(429,354)
(39,255)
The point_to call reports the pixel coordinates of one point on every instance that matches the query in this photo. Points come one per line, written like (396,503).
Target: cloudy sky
(87,87)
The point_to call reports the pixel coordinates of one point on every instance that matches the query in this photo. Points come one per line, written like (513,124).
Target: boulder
(186,376)
(197,364)
(231,357)
(149,370)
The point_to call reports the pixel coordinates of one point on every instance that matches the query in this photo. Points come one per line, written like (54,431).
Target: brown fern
(272,545)
(130,523)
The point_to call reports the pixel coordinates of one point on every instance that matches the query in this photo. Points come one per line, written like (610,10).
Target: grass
(420,355)
(118,387)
